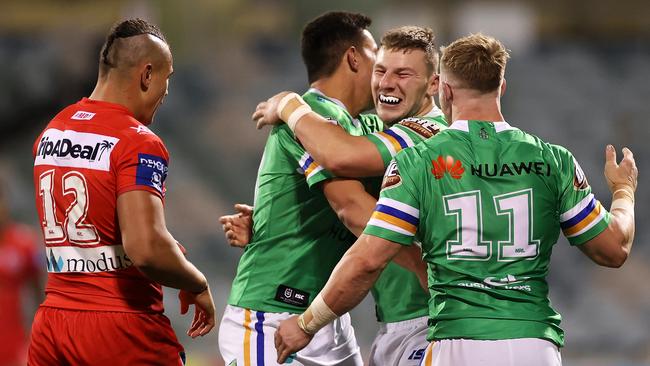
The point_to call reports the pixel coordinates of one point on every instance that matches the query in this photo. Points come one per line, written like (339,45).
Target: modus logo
(447,164)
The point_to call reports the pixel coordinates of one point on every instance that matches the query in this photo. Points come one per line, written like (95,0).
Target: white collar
(463,125)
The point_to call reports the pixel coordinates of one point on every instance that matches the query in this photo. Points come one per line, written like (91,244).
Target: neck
(112,90)
(482,108)
(426,107)
(341,88)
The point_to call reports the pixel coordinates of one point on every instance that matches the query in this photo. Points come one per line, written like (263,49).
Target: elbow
(618,260)
(141,252)
(335,165)
(351,219)
(613,260)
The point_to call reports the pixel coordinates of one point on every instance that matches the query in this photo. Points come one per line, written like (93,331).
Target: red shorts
(71,337)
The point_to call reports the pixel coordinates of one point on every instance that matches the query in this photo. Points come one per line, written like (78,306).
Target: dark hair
(125,29)
(327,37)
(413,38)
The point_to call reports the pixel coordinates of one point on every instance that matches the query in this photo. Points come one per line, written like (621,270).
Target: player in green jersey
(403,84)
(404,81)
(488,202)
(297,238)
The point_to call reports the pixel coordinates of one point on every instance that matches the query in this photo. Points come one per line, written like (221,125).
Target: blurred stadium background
(579,76)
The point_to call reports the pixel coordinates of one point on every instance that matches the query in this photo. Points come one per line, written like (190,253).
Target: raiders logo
(422,127)
(579,177)
(391,178)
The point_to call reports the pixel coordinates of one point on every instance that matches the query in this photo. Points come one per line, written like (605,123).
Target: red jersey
(19,266)
(88,155)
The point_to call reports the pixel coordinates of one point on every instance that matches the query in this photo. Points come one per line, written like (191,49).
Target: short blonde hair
(412,37)
(477,61)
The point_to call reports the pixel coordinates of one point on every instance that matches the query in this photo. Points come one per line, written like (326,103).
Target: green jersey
(297,238)
(488,202)
(397,292)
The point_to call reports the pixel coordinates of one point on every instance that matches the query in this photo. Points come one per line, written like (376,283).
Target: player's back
(87,155)
(491,205)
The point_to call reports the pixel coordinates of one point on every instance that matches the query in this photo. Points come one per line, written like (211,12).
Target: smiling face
(402,84)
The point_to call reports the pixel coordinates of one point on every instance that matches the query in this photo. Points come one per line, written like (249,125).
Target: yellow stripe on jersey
(589,220)
(395,221)
(392,140)
(247,337)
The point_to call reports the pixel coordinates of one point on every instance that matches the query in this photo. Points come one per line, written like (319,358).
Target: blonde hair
(477,61)
(412,37)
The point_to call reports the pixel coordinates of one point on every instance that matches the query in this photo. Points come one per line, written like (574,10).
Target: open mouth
(389,99)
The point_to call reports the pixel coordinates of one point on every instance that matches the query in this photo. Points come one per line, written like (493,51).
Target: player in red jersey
(99,176)
(19,271)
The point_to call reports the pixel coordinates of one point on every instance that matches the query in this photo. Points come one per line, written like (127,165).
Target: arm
(352,204)
(611,247)
(348,285)
(153,250)
(331,146)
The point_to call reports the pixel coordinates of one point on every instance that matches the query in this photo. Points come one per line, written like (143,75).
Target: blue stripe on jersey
(397,137)
(307,163)
(259,328)
(581,215)
(397,213)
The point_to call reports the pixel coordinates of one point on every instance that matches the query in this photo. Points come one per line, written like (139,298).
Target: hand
(289,338)
(266,113)
(623,174)
(238,227)
(204,311)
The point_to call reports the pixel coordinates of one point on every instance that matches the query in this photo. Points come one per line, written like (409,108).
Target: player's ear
(433,84)
(503,87)
(145,77)
(352,58)
(447,93)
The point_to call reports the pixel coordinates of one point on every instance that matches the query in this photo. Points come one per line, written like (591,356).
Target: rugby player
(297,238)
(99,176)
(20,270)
(404,70)
(488,202)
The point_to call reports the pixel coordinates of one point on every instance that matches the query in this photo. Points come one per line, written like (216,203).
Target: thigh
(335,344)
(402,344)
(109,338)
(246,338)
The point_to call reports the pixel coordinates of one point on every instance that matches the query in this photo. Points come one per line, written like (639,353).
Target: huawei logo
(447,164)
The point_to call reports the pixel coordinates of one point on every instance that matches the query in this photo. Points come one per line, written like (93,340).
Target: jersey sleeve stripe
(309,166)
(399,131)
(594,217)
(390,227)
(577,208)
(397,213)
(394,221)
(579,216)
(385,201)
(395,139)
(384,138)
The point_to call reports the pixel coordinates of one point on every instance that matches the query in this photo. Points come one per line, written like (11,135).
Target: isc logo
(417,354)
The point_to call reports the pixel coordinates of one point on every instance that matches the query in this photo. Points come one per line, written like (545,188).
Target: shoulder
(425,127)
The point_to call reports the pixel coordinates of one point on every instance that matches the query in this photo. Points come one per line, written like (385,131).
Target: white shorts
(246,338)
(505,352)
(400,343)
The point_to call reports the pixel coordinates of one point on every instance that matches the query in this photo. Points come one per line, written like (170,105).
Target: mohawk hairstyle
(326,38)
(411,37)
(125,29)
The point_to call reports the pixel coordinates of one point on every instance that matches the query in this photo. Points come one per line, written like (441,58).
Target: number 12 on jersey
(470,244)
(73,227)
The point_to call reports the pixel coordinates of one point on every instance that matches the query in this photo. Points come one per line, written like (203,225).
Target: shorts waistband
(404,324)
